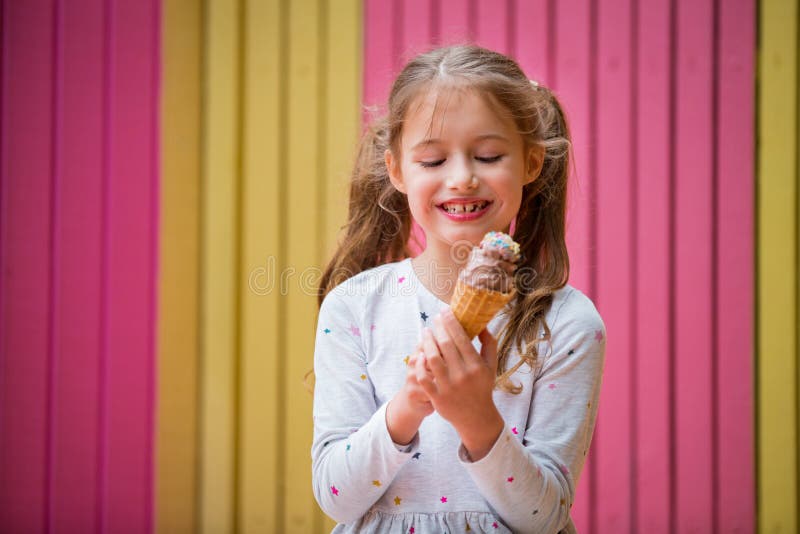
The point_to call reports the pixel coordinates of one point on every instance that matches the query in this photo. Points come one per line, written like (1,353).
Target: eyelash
(431,164)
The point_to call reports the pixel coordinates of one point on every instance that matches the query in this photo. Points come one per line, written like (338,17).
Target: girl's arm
(354,458)
(529,477)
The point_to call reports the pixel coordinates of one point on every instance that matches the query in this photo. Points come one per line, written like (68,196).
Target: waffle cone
(474,307)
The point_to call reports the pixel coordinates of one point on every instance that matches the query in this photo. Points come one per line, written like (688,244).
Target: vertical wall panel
(78,251)
(777,268)
(25,315)
(219,283)
(565,53)
(694,329)
(260,485)
(130,246)
(612,441)
(177,418)
(734,509)
(651,460)
(300,247)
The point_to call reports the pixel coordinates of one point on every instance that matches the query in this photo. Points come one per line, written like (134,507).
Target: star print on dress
(376,483)
(406,359)
(354,330)
(514,430)
(397,501)
(571,352)
(411,530)
(416,455)
(510,479)
(443,499)
(424,316)
(348,447)
(363,377)
(327,330)
(468,529)
(401,279)
(494,525)
(334,490)
(598,335)
(372,327)
(552,386)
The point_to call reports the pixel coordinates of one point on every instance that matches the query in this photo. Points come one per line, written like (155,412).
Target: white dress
(367,327)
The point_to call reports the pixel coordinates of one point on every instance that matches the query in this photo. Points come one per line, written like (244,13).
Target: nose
(461,176)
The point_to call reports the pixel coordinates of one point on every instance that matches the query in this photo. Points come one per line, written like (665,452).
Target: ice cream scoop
(486,284)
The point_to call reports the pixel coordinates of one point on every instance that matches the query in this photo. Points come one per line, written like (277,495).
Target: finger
(436,363)
(456,332)
(450,352)
(488,348)
(424,377)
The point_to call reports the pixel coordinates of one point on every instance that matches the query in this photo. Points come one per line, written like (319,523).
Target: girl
(417,428)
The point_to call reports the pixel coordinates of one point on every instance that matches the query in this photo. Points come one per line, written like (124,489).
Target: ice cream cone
(474,307)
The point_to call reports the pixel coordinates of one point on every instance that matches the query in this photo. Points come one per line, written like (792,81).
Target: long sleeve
(529,477)
(353,457)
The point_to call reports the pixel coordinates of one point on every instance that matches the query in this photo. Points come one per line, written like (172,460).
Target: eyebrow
(433,141)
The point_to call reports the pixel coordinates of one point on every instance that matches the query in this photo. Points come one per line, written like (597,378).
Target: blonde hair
(379,220)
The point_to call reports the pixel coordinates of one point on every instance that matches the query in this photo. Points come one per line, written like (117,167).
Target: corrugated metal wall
(78,237)
(660,96)
(778,267)
(260,124)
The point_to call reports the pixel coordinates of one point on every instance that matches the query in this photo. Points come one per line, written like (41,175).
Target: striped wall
(154,187)
(78,231)
(660,99)
(778,267)
(261,114)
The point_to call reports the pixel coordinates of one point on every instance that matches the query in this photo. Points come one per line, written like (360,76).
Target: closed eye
(490,160)
(429,164)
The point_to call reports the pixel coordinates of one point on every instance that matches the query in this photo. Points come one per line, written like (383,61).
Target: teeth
(464,208)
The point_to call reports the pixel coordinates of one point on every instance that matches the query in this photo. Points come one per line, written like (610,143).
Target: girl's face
(462,167)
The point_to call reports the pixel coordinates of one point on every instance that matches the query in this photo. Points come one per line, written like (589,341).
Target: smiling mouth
(458,208)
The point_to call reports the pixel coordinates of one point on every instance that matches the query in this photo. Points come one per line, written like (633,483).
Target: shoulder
(571,306)
(363,287)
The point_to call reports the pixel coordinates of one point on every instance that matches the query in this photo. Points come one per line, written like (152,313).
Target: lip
(464,216)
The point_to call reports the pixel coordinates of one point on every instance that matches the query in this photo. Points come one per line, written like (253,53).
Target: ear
(534,163)
(393,167)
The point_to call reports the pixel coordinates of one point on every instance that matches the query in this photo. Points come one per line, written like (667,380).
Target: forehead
(448,111)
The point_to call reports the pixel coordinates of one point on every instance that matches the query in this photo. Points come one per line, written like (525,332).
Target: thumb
(488,348)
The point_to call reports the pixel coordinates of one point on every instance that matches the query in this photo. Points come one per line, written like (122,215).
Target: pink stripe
(614,224)
(78,247)
(378,70)
(454,21)
(26,263)
(155,210)
(652,406)
(693,264)
(417,28)
(130,263)
(735,424)
(571,63)
(531,33)
(492,25)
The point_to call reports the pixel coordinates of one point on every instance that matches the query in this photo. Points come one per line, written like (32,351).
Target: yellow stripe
(302,236)
(274,87)
(777,269)
(219,282)
(176,447)
(341,104)
(260,405)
